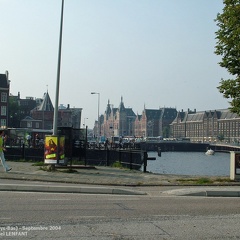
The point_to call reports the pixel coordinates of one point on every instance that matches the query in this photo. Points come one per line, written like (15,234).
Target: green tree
(220,137)
(228,46)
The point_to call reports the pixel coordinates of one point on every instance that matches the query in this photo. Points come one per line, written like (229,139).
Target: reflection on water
(190,163)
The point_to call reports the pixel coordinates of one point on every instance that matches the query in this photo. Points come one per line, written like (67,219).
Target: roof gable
(46,104)
(153,114)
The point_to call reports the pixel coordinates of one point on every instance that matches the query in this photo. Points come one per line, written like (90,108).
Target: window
(3,123)
(3,110)
(37,124)
(29,124)
(3,97)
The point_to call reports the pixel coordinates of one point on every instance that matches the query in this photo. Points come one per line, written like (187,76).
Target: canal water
(190,163)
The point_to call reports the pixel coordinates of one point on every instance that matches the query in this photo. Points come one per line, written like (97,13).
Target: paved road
(115,204)
(101,216)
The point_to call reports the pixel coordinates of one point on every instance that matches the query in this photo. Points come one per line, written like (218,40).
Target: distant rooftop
(46,104)
(4,83)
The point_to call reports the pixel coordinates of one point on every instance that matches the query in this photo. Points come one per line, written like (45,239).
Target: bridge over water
(224,147)
(171,146)
(185,146)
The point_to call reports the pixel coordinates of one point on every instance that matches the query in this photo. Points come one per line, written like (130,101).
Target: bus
(154,139)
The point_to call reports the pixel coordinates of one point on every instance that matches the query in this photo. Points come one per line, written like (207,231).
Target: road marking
(124,199)
(180,215)
(3,218)
(54,199)
(86,217)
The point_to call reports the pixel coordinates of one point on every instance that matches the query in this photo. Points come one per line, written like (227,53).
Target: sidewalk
(111,181)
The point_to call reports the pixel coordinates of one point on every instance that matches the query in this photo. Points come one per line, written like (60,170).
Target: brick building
(42,115)
(117,121)
(154,122)
(207,126)
(123,121)
(4,93)
(44,112)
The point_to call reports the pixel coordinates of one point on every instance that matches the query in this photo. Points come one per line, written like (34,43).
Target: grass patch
(38,164)
(223,180)
(117,165)
(21,160)
(76,162)
(197,181)
(204,181)
(51,168)
(48,168)
(69,170)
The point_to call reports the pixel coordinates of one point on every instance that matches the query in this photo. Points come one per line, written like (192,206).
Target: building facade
(29,122)
(154,122)
(69,117)
(4,94)
(207,126)
(44,112)
(124,122)
(42,115)
(117,121)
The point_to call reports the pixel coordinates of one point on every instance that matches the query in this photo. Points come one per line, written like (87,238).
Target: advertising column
(54,149)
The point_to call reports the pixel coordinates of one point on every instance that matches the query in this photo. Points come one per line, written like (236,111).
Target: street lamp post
(55,118)
(85,141)
(99,131)
(54,157)
(112,122)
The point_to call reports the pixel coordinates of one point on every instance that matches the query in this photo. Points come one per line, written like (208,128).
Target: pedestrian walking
(28,137)
(2,148)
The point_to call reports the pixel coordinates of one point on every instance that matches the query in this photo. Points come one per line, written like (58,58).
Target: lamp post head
(94,93)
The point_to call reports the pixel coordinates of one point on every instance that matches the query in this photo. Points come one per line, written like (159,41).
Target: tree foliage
(228,46)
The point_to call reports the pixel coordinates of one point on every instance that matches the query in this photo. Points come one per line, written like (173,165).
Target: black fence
(132,159)
(76,149)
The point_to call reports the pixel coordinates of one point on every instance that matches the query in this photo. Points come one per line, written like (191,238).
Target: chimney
(7,75)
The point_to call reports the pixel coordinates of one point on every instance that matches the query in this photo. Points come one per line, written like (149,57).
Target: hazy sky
(151,52)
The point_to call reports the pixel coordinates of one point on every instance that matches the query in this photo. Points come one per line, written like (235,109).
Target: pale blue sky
(153,52)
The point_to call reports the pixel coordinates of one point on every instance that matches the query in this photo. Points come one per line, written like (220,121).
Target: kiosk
(234,165)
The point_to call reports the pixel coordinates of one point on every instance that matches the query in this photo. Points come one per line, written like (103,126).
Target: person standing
(2,148)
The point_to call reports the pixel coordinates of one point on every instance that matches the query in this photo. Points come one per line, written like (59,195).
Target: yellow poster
(51,147)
